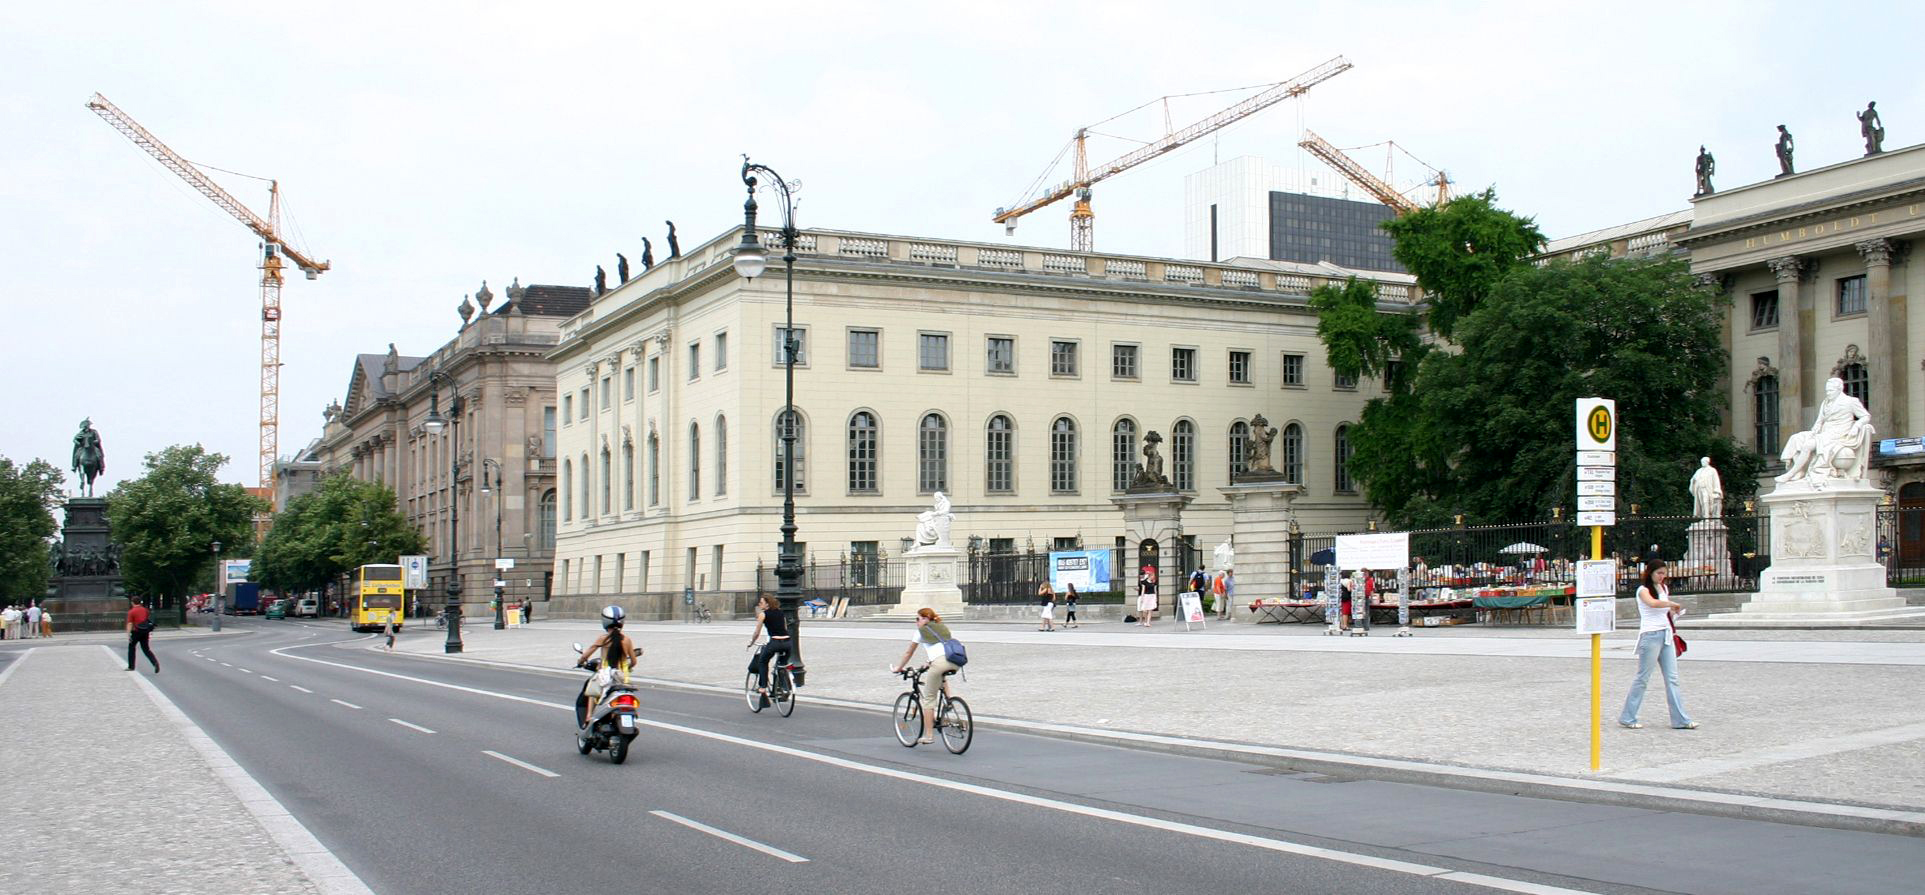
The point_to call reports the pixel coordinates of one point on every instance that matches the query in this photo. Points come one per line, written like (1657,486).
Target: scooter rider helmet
(612,617)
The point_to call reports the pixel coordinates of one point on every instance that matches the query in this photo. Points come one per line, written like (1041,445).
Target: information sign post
(1597,446)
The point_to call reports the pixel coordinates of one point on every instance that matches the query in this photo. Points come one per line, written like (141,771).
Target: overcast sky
(424,147)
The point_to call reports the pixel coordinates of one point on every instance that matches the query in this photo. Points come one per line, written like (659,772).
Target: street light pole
(751,259)
(486,465)
(217,587)
(434,425)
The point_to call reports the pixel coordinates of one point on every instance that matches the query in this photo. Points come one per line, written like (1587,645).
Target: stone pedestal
(931,577)
(87,581)
(1822,569)
(1156,516)
(1260,516)
(1709,550)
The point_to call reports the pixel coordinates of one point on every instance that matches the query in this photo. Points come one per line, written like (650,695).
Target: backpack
(952,650)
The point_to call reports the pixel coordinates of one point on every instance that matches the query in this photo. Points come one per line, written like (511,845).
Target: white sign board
(1596,503)
(1597,424)
(1596,518)
(234,571)
(1597,458)
(1191,606)
(505,562)
(1597,474)
(1597,615)
(414,572)
(1597,578)
(1597,489)
(1390,550)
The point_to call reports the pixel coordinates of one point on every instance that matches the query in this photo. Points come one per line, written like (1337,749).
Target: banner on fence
(1390,550)
(1089,570)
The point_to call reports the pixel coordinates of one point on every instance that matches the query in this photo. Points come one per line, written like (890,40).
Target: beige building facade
(493,464)
(1020,382)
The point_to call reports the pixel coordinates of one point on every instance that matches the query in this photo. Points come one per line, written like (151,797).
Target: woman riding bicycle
(768,617)
(618,651)
(930,633)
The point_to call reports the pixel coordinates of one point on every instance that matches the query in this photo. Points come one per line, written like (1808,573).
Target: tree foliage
(167,521)
(28,495)
(343,524)
(1362,341)
(1485,426)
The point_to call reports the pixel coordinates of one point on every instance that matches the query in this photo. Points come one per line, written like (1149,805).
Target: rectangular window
(865,561)
(1123,362)
(1240,367)
(605,392)
(584,402)
(1393,371)
(865,349)
(801,339)
(1183,364)
(688,569)
(1062,543)
(1344,380)
(596,586)
(1764,309)
(641,574)
(621,573)
(628,384)
(1293,370)
(721,352)
(932,351)
(1062,358)
(654,374)
(694,361)
(568,409)
(715,567)
(1001,356)
(1851,295)
(548,432)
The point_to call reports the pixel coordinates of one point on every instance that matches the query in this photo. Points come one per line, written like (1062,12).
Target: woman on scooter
(618,651)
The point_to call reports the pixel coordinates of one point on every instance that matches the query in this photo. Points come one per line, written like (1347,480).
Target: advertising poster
(1089,570)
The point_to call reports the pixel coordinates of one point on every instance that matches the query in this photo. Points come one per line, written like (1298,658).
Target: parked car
(307,607)
(277,609)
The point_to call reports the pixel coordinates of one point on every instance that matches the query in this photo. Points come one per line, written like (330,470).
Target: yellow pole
(1597,667)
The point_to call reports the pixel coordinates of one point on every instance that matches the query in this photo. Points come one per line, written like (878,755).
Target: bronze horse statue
(90,459)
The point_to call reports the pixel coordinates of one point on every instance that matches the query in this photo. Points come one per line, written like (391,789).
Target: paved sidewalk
(1823,718)
(110,783)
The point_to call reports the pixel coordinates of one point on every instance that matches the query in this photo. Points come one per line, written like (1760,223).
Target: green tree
(28,495)
(1460,251)
(167,521)
(343,524)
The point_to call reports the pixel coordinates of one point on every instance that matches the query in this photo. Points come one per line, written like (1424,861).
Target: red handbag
(1676,641)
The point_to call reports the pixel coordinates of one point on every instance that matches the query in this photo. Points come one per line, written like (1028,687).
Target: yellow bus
(377,597)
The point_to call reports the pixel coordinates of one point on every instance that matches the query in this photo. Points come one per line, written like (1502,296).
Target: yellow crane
(1370,183)
(1082,219)
(273,246)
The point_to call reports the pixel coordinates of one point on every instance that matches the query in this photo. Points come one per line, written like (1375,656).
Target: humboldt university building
(1020,382)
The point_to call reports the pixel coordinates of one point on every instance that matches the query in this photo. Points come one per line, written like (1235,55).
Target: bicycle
(953,719)
(701,615)
(781,687)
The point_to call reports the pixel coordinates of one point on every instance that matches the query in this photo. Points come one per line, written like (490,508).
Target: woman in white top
(1655,608)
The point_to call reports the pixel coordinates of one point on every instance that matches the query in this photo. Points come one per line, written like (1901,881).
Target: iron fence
(1012,577)
(867,580)
(1901,545)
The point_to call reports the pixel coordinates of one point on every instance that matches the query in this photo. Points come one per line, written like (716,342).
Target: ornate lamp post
(434,424)
(751,259)
(218,590)
(490,467)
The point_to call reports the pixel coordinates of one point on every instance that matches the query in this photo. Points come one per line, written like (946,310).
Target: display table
(1494,603)
(1282,611)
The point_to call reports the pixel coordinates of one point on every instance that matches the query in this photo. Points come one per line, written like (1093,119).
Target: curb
(1650,797)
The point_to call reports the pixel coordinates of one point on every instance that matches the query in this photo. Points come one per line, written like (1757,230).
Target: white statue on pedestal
(932,525)
(1225,556)
(1707,491)
(1838,445)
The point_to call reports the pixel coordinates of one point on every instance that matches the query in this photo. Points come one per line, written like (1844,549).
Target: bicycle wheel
(749,693)
(957,725)
(908,719)
(782,689)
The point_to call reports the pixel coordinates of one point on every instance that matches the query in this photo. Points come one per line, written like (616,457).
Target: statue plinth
(1709,550)
(1260,515)
(1823,568)
(931,576)
(87,581)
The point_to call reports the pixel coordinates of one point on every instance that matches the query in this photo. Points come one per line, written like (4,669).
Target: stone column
(1260,517)
(1153,516)
(1887,392)
(1790,271)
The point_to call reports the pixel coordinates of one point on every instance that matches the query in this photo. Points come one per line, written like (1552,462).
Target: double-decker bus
(377,597)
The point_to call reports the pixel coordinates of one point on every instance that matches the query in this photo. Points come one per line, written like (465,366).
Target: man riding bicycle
(769,617)
(930,633)
(618,652)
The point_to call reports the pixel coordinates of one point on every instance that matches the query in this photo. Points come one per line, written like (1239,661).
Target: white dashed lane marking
(302,689)
(410,726)
(519,763)
(348,704)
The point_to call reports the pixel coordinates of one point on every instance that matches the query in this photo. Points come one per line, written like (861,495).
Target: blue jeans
(1655,649)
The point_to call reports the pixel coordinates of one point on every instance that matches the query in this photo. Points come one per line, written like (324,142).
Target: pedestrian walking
(9,622)
(1046,598)
(33,619)
(1069,604)
(1656,647)
(387,630)
(139,626)
(1146,594)
(46,623)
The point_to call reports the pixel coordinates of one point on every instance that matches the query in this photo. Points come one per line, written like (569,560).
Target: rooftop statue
(648,255)
(1872,129)
(1707,166)
(1784,149)
(674,246)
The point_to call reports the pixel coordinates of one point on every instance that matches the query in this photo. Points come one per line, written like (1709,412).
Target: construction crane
(1082,219)
(273,246)
(1368,182)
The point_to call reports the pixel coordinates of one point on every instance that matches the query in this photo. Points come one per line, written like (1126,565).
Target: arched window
(628,476)
(1857,384)
(862,452)
(694,461)
(999,455)
(607,488)
(1122,454)
(1764,414)
(654,470)
(1239,449)
(1062,456)
(1183,455)
(721,455)
(801,452)
(567,488)
(587,505)
(932,454)
(545,521)
(1292,452)
(1344,484)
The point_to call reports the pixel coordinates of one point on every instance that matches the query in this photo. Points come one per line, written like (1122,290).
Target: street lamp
(487,465)
(751,259)
(434,424)
(218,593)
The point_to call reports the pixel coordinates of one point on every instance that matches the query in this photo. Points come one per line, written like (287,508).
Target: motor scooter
(609,723)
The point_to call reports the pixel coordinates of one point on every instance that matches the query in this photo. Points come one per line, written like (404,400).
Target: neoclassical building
(494,463)
(1021,382)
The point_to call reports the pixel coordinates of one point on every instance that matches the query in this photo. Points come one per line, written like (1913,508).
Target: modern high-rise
(1251,208)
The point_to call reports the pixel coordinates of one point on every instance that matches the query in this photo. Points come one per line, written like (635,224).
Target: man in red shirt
(138,627)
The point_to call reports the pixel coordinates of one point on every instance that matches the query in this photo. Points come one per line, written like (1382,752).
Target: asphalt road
(427,776)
